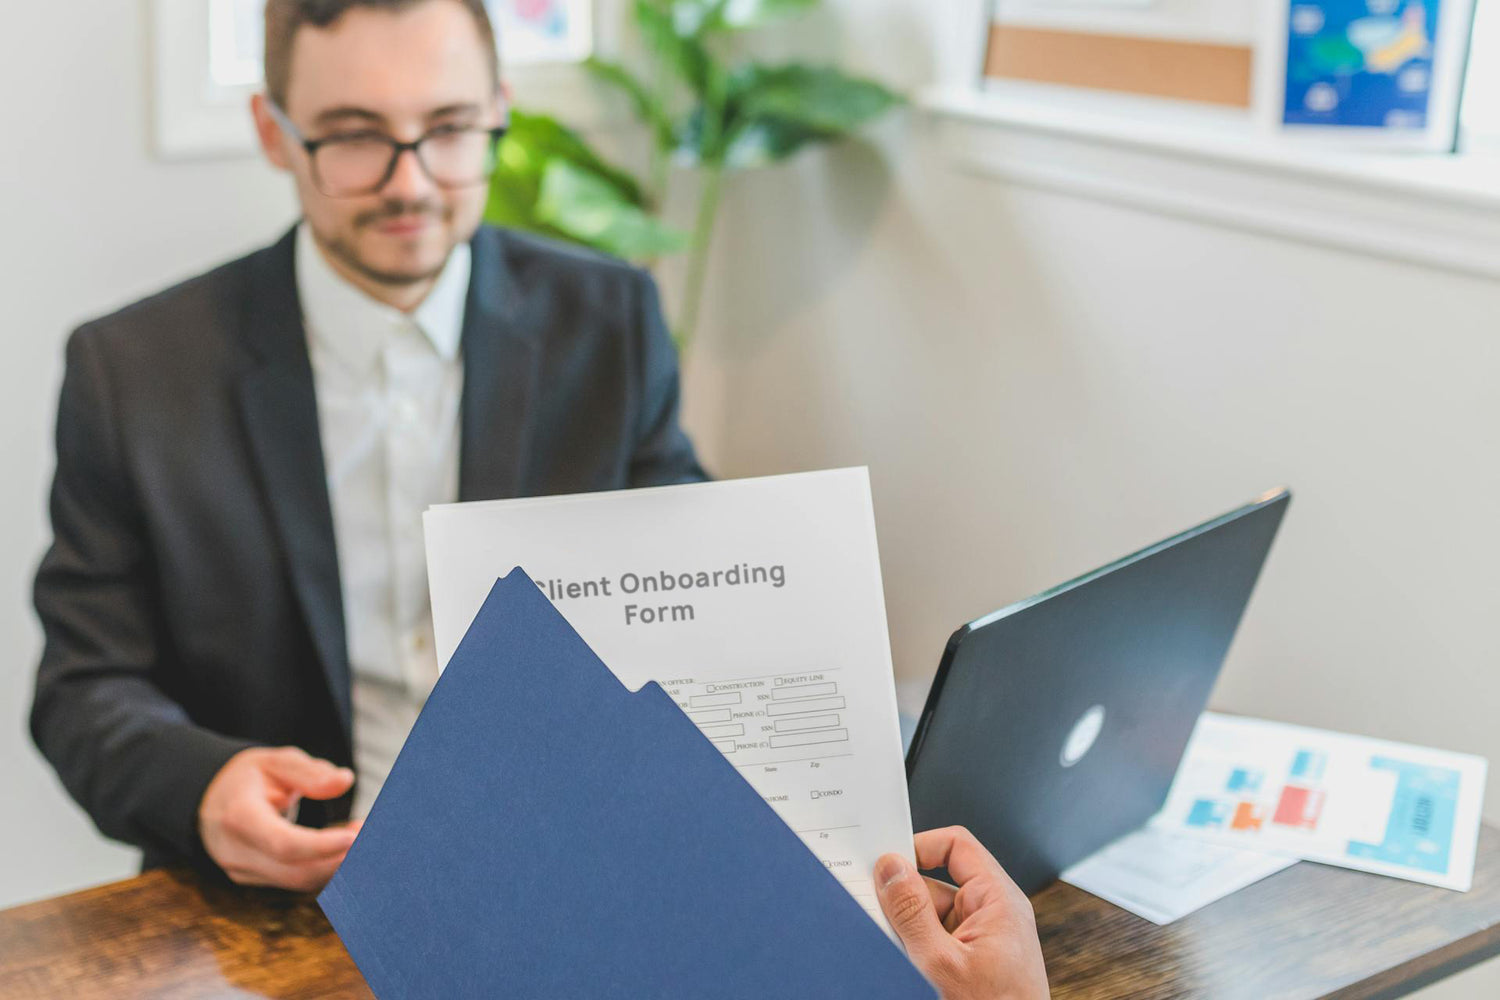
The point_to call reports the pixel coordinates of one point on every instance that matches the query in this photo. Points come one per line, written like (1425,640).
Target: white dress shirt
(388,386)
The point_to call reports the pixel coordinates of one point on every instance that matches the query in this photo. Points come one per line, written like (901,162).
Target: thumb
(305,775)
(908,906)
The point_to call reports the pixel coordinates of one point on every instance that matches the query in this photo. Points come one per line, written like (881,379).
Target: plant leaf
(533,141)
(590,210)
(683,52)
(696,18)
(820,99)
(511,204)
(690,18)
(534,148)
(738,15)
(768,140)
(646,105)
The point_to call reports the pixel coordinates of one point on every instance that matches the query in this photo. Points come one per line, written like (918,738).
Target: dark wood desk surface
(1309,931)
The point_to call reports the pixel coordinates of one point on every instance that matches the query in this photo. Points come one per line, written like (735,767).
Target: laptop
(1055,725)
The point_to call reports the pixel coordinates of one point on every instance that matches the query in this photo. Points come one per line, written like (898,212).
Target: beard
(347,252)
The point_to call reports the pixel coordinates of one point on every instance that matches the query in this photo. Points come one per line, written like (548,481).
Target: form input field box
(809,705)
(725,746)
(804,722)
(809,739)
(705,715)
(804,691)
(712,700)
(723,732)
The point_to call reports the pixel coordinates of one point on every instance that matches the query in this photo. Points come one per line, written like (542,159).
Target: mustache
(398,209)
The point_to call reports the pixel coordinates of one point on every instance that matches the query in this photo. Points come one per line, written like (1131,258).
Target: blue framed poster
(1389,68)
(1360,62)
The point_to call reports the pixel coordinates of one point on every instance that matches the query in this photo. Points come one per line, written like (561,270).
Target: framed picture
(533,32)
(1382,73)
(207,64)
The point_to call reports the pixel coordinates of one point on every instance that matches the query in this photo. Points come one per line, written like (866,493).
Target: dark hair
(284,18)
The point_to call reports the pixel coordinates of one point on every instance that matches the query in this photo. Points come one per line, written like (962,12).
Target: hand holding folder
(574,839)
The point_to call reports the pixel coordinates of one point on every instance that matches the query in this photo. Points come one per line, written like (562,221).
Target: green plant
(705,110)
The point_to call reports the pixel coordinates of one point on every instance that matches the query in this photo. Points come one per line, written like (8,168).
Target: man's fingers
(957,850)
(243,818)
(309,876)
(942,898)
(297,844)
(908,905)
(270,851)
(988,899)
(309,776)
(258,827)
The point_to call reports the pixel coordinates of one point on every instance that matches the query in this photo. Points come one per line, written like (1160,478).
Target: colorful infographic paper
(1373,805)
(1163,877)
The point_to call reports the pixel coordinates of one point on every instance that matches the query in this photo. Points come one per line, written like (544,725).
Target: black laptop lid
(1127,654)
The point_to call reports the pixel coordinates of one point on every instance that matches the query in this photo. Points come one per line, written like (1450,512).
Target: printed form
(755,604)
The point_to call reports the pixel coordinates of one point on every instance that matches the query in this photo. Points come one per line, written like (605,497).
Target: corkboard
(1193,71)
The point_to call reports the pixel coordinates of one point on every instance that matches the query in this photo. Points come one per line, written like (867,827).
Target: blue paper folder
(547,833)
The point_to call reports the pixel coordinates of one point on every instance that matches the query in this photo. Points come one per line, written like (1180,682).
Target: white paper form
(756,604)
(1163,877)
(1373,805)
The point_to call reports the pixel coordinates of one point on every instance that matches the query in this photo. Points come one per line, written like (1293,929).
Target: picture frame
(543,32)
(1364,74)
(205,66)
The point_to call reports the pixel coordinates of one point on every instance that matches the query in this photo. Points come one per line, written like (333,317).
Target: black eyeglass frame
(311,146)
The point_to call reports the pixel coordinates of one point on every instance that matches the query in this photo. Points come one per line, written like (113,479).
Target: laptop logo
(1081,739)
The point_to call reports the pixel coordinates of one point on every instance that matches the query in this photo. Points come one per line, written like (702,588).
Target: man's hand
(244,825)
(976,942)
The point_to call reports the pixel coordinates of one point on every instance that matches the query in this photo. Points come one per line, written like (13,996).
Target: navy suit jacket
(190,599)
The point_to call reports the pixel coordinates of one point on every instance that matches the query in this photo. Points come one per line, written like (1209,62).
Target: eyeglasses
(347,165)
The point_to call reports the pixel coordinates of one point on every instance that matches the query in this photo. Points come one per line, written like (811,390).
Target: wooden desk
(1309,931)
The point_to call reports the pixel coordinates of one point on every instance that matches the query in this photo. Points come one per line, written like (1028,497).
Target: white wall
(90,222)
(1040,383)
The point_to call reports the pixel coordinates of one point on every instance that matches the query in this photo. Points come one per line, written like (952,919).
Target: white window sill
(1216,167)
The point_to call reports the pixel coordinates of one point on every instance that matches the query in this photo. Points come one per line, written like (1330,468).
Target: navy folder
(547,833)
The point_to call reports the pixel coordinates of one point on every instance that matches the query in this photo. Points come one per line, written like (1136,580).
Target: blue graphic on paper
(1360,62)
(1244,780)
(1419,832)
(1309,764)
(1207,813)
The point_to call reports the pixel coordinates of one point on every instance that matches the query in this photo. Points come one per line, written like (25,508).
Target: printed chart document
(1373,805)
(1163,877)
(756,605)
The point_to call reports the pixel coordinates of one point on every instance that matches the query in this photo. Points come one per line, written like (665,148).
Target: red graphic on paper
(1299,807)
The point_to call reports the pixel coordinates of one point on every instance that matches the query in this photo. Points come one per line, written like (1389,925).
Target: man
(235,601)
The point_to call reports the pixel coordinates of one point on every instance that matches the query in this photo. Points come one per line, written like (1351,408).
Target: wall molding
(1216,168)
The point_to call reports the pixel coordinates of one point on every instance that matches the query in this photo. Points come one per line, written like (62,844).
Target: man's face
(397,74)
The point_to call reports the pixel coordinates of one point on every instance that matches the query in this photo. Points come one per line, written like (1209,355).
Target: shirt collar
(355,326)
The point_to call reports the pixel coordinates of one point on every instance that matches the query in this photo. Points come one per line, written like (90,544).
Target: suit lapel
(279,405)
(500,377)
(280,410)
